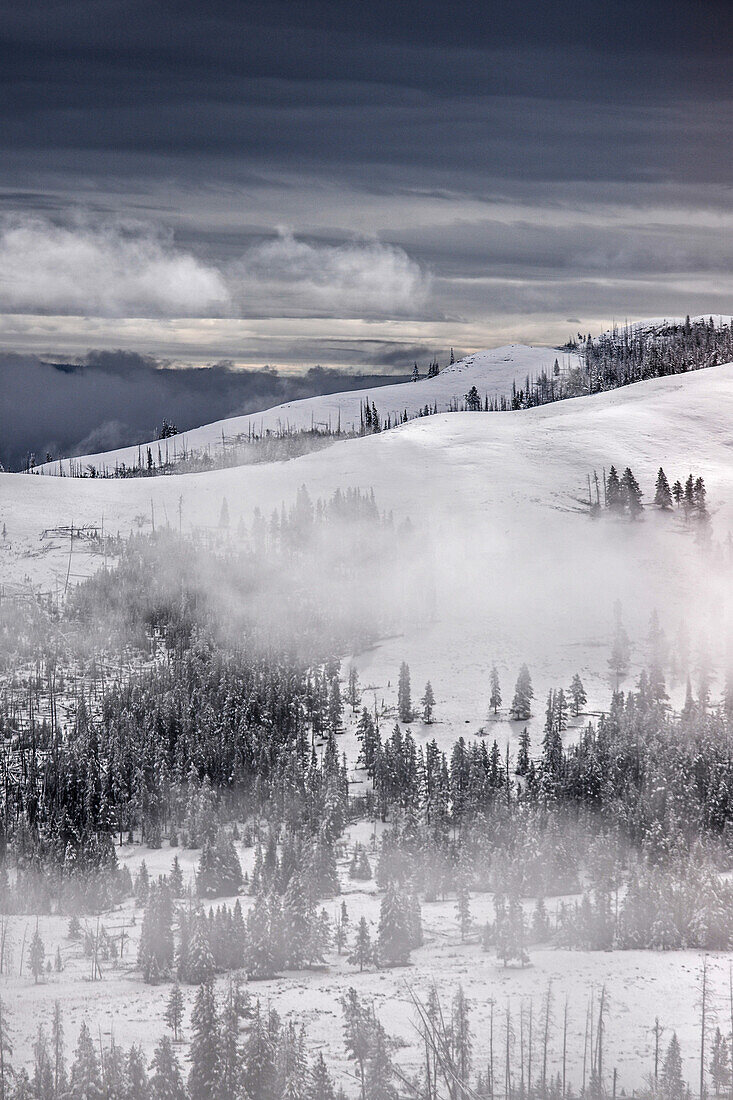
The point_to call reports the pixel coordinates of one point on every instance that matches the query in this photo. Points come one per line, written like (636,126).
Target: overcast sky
(354,183)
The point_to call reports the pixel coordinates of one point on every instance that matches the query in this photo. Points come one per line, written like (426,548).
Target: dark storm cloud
(410,175)
(353,84)
(112,399)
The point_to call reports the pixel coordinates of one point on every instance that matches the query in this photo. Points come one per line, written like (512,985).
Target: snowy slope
(520,572)
(492,372)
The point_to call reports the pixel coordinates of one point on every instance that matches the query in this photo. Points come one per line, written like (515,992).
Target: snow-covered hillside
(491,372)
(520,571)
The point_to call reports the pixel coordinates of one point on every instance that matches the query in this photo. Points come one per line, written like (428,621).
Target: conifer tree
(199,967)
(404,698)
(85,1082)
(291,1065)
(460,1040)
(237,937)
(428,703)
(379,1083)
(614,496)
(155,951)
(523,694)
(320,1086)
(358,1034)
(363,953)
(321,866)
(631,494)
(352,693)
(394,929)
(36,955)
(261,959)
(495,696)
(688,497)
(259,1058)
(136,1075)
(219,871)
(175,879)
(142,884)
(577,694)
(42,1082)
(523,757)
(204,1052)
(540,922)
(57,1051)
(230,1055)
(662,494)
(166,1080)
(6,1053)
(296,923)
(463,905)
(720,1063)
(174,1011)
(620,657)
(368,737)
(671,1079)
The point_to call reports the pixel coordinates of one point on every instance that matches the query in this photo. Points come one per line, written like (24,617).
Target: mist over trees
(220,734)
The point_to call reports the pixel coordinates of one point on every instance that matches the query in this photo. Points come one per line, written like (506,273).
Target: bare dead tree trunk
(703,1021)
(548,1004)
(564,1047)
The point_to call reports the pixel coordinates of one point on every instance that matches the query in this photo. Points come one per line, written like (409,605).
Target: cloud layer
(360,279)
(108,271)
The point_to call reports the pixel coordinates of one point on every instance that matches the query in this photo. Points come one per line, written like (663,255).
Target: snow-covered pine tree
(521,709)
(320,1085)
(174,1011)
(662,492)
(259,1057)
(6,1053)
(428,703)
(204,1053)
(261,955)
(136,1074)
(199,967)
(296,923)
(352,690)
(166,1080)
(363,953)
(614,496)
(368,738)
(631,494)
(404,698)
(577,694)
(523,757)
(720,1063)
(463,905)
(671,1079)
(495,696)
(36,955)
(394,929)
(175,879)
(229,1069)
(85,1082)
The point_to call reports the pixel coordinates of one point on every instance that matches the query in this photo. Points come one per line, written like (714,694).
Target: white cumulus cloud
(364,277)
(108,272)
